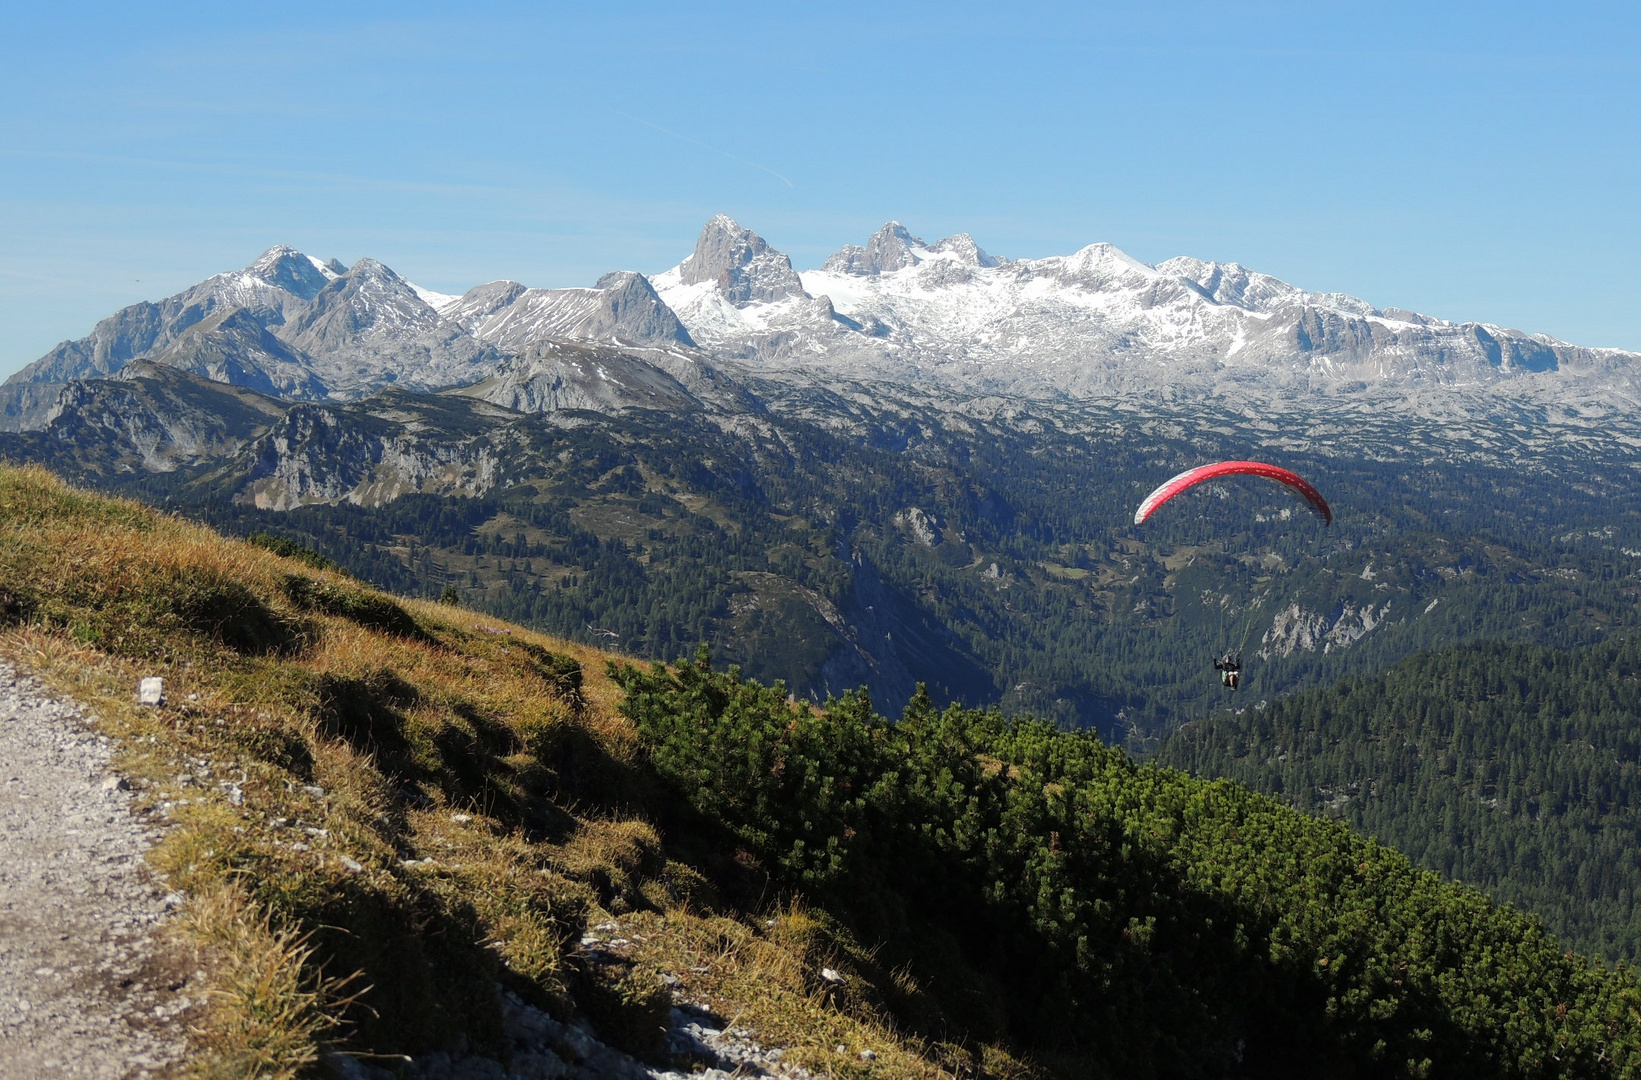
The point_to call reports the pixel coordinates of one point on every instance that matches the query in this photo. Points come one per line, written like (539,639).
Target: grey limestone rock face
(368,329)
(26,406)
(962,245)
(235,347)
(482,301)
(890,248)
(317,453)
(359,313)
(1232,283)
(277,283)
(368,303)
(629,309)
(551,376)
(745,268)
(893,247)
(849,259)
(157,418)
(127,333)
(286,324)
(286,268)
(622,307)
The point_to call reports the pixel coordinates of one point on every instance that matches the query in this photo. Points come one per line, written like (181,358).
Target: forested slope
(1515,768)
(989,554)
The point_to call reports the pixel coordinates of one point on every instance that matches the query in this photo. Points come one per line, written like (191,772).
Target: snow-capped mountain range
(943,317)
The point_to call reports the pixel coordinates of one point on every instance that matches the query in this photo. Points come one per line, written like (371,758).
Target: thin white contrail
(702,145)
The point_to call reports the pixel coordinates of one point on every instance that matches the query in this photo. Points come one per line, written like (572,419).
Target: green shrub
(290,549)
(1156,923)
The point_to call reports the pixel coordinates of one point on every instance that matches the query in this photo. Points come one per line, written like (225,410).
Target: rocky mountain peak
(742,265)
(367,269)
(893,247)
(1232,283)
(1101,266)
(622,307)
(482,301)
(963,248)
(890,248)
(287,268)
(629,309)
(368,304)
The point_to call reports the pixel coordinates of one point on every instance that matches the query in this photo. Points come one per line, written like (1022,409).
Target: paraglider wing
(1193,477)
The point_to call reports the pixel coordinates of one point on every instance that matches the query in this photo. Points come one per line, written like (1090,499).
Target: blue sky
(1469,160)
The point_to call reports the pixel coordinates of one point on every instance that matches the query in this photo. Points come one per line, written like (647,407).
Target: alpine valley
(916,463)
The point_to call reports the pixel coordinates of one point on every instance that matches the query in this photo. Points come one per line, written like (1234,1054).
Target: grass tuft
(272,1006)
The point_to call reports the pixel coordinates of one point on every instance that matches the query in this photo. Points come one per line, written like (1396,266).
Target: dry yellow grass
(385,807)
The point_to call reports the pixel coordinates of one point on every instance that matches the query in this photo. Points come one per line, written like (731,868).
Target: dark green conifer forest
(1511,767)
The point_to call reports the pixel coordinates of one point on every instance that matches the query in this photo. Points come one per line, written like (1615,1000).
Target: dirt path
(84,992)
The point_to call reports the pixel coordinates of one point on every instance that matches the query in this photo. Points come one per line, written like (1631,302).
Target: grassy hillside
(386,808)
(1514,768)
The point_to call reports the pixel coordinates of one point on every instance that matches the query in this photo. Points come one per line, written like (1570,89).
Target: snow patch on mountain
(438,301)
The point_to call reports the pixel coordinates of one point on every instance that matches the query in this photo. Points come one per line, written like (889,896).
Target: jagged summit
(301,275)
(739,264)
(893,247)
(287,324)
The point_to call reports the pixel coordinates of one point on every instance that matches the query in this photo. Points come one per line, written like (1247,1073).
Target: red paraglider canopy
(1192,477)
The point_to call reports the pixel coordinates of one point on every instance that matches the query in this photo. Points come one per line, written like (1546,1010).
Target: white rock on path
(151,691)
(84,990)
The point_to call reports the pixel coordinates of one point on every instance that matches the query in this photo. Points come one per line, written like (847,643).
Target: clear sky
(1468,160)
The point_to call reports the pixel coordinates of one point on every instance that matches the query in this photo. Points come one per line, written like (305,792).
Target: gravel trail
(84,989)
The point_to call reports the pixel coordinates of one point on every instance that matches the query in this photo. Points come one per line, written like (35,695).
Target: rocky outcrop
(155,418)
(744,268)
(1295,629)
(893,247)
(322,454)
(552,376)
(622,308)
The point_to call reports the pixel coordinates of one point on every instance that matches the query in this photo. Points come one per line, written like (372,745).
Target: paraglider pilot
(1229,666)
